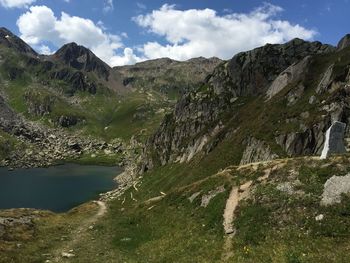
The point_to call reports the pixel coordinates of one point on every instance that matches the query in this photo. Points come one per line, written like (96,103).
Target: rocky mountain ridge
(75,93)
(278,84)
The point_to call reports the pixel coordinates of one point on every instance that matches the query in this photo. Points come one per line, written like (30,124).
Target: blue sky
(125,32)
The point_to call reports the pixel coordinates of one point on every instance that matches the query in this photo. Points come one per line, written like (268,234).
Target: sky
(124,32)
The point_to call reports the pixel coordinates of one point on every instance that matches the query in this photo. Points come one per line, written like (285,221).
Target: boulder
(334,140)
(334,188)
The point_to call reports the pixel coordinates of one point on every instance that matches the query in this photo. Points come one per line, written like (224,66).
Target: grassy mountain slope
(169,77)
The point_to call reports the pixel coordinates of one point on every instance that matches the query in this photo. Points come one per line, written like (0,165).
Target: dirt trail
(67,250)
(236,195)
(230,208)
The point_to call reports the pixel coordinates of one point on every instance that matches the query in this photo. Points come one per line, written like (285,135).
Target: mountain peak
(72,51)
(10,40)
(344,42)
(81,58)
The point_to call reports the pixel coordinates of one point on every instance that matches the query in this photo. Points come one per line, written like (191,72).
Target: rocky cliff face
(250,73)
(281,78)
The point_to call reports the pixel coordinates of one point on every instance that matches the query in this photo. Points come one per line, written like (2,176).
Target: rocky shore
(41,146)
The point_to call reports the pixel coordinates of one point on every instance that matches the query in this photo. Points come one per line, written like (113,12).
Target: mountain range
(220,156)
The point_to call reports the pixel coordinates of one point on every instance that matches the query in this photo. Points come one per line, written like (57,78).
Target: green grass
(7,144)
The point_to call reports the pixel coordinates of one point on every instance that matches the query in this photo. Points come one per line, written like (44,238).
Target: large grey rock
(334,188)
(293,73)
(326,80)
(334,140)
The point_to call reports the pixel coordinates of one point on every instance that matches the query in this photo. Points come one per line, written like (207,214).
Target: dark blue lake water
(57,188)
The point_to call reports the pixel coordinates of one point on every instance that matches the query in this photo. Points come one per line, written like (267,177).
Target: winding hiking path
(67,250)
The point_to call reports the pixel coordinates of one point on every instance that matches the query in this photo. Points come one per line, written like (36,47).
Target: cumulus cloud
(16,3)
(45,50)
(187,33)
(40,25)
(202,32)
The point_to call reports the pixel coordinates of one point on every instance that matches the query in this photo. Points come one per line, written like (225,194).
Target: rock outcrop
(78,80)
(294,73)
(344,42)
(326,80)
(255,151)
(334,140)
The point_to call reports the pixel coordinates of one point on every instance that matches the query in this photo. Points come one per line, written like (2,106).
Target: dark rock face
(334,140)
(306,142)
(197,115)
(81,58)
(12,41)
(67,121)
(77,80)
(344,42)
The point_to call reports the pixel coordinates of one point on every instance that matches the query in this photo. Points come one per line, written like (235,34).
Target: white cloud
(108,6)
(16,3)
(45,50)
(127,58)
(40,25)
(188,33)
(192,33)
